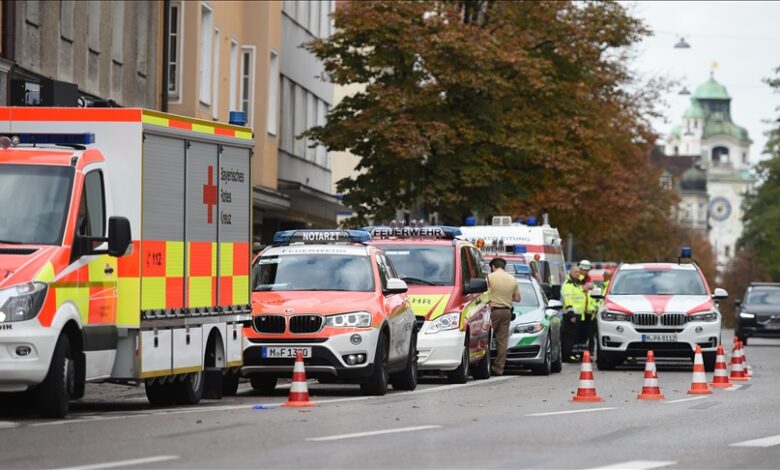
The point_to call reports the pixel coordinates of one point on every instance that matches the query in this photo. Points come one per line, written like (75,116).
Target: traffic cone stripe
(737,371)
(650,388)
(586,391)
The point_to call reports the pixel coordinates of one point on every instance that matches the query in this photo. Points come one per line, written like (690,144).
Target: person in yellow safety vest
(586,327)
(574,302)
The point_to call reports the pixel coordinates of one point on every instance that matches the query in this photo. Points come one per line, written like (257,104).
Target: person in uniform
(573,305)
(586,324)
(502,290)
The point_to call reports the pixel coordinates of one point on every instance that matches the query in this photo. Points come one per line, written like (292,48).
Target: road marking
(733,387)
(765,442)
(681,400)
(638,465)
(8,424)
(146,413)
(553,413)
(338,437)
(125,463)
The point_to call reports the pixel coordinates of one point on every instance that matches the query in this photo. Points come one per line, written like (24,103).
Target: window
(206,51)
(302,13)
(676,150)
(174,48)
(215,83)
(466,272)
(720,155)
(666,182)
(322,154)
(314,17)
(727,249)
(117,31)
(66,19)
(311,119)
(299,124)
(744,158)
(422,265)
(233,105)
(91,217)
(287,132)
(273,86)
(142,36)
(32,12)
(324,30)
(93,26)
(247,82)
(383,272)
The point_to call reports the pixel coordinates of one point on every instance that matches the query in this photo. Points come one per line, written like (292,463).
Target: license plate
(284,352)
(659,338)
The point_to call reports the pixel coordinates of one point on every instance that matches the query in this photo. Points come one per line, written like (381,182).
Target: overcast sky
(742,37)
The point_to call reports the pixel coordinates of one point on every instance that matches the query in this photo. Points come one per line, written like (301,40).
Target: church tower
(721,149)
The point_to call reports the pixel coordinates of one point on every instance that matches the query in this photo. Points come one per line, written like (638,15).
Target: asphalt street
(514,421)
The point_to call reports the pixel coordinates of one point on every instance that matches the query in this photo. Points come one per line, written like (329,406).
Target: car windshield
(763,296)
(423,265)
(528,296)
(307,272)
(658,282)
(35,203)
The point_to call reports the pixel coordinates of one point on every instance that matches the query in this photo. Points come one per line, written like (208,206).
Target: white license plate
(284,352)
(659,338)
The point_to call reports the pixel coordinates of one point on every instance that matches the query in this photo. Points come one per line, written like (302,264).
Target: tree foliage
(499,107)
(762,211)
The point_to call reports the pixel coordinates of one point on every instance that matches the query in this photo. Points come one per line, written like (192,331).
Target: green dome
(694,110)
(711,90)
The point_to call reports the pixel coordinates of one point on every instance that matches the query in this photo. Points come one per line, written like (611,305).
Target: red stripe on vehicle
(659,302)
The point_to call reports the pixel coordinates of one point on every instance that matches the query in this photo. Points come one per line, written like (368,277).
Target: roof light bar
(522,269)
(441,232)
(325,236)
(58,139)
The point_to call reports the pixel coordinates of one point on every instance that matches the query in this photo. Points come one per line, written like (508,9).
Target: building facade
(716,174)
(71,53)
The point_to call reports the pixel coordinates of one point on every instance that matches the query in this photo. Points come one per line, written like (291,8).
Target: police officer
(502,290)
(573,306)
(586,324)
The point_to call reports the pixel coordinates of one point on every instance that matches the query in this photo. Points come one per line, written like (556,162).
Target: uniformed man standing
(502,290)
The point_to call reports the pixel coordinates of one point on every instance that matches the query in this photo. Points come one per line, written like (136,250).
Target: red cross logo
(210,194)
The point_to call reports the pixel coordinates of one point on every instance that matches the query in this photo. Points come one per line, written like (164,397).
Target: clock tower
(714,143)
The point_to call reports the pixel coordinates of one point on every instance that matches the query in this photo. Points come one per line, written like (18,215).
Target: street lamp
(682,44)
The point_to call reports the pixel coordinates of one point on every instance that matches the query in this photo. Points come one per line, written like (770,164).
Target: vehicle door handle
(109,269)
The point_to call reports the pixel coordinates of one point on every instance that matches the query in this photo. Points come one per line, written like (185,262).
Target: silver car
(535,332)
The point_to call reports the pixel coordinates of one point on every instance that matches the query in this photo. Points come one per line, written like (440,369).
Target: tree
(490,107)
(762,211)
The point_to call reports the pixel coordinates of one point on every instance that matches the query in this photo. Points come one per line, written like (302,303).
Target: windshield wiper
(11,242)
(415,280)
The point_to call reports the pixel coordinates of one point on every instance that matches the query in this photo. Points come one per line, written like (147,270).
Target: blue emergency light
(442,232)
(321,236)
(520,249)
(522,269)
(471,221)
(57,139)
(686,252)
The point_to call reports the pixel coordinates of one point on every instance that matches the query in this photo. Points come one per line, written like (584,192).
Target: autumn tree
(762,210)
(486,107)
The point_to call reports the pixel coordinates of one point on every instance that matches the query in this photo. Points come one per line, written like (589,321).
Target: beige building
(69,53)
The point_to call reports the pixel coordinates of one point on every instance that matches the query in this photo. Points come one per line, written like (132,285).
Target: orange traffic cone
(299,391)
(748,370)
(737,369)
(586,390)
(721,376)
(699,382)
(650,389)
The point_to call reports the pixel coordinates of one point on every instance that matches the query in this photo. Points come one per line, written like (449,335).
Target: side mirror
(395,286)
(119,236)
(738,303)
(555,292)
(475,285)
(720,294)
(596,293)
(555,304)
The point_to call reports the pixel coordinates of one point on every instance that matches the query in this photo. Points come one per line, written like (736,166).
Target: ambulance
(338,302)
(124,253)
(447,291)
(539,246)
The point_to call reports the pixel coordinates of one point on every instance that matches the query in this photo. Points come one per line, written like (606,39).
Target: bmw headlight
(606,315)
(527,328)
(349,320)
(746,315)
(448,321)
(22,302)
(706,316)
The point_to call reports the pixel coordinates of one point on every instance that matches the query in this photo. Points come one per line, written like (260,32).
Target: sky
(742,37)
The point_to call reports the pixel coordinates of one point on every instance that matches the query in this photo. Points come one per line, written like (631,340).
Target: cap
(585,264)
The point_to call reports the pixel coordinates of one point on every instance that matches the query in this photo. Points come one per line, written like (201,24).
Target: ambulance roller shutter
(201,226)
(162,250)
(234,226)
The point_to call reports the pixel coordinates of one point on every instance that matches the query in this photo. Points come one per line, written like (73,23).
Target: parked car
(758,313)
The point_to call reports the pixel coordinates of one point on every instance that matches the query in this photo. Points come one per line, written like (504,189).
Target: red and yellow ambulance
(447,290)
(124,252)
